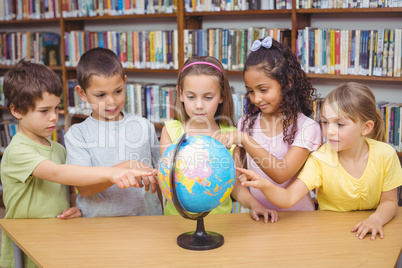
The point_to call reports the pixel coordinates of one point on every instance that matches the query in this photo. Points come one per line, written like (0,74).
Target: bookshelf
(294,19)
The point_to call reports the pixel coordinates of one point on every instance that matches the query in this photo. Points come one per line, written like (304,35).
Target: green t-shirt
(175,130)
(26,196)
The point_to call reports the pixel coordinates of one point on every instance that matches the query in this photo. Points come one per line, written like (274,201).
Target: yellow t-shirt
(175,129)
(339,191)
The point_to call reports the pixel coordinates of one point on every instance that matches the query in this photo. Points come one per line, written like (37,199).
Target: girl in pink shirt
(276,134)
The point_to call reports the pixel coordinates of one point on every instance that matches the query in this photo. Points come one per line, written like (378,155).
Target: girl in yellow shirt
(353,170)
(203,106)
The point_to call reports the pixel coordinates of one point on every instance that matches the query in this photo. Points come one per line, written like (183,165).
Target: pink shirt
(307,136)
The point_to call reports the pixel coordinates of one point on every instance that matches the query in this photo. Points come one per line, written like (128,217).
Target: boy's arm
(384,213)
(73,211)
(282,197)
(80,175)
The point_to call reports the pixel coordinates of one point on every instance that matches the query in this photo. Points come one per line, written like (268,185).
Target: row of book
(152,101)
(41,46)
(29,9)
(235,5)
(392,114)
(353,52)
(230,46)
(324,4)
(139,49)
(8,128)
(84,8)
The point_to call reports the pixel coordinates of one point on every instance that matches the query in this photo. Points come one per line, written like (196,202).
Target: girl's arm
(282,197)
(81,175)
(165,141)
(384,213)
(243,195)
(279,170)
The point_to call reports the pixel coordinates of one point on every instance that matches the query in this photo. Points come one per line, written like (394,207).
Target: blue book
(200,43)
(101,39)
(120,7)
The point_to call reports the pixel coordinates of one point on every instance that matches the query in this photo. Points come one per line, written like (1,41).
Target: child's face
(341,133)
(39,124)
(201,96)
(264,92)
(106,96)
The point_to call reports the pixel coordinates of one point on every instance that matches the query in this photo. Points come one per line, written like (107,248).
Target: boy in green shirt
(34,177)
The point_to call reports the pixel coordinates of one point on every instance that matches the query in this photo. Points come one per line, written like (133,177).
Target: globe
(196,174)
(204,173)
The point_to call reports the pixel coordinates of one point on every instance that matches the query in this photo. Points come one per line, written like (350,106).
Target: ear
(81,93)
(368,127)
(181,97)
(14,112)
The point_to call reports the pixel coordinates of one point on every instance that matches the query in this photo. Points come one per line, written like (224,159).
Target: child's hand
(260,210)
(369,225)
(151,180)
(251,179)
(70,213)
(126,178)
(230,138)
(146,181)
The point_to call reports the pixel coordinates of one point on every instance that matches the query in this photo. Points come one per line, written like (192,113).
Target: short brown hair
(224,112)
(100,62)
(26,82)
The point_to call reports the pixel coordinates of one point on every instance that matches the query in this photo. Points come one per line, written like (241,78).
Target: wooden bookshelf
(299,19)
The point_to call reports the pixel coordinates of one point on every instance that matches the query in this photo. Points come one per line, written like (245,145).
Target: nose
(332,129)
(54,116)
(110,101)
(199,103)
(257,97)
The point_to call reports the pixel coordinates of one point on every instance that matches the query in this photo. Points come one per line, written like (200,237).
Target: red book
(337,52)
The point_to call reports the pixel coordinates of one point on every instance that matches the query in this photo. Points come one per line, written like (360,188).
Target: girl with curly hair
(277,134)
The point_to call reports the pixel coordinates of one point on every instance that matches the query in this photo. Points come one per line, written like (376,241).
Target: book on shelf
(352,52)
(139,50)
(230,46)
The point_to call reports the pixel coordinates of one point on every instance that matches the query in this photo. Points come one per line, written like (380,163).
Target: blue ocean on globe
(204,174)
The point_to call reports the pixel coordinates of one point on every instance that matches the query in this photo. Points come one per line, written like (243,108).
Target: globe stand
(200,239)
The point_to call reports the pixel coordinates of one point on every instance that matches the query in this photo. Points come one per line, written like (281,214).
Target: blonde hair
(356,102)
(224,112)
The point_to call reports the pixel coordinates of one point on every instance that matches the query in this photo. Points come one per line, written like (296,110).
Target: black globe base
(200,239)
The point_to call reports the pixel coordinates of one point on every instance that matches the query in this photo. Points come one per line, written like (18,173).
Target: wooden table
(298,239)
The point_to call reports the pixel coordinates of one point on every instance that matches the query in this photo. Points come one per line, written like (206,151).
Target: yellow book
(332,52)
(152,57)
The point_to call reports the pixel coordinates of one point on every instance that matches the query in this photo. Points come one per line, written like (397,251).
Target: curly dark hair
(279,63)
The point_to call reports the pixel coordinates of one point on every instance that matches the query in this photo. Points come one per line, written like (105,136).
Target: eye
(263,89)
(250,91)
(324,122)
(119,91)
(190,97)
(57,108)
(43,111)
(341,125)
(209,98)
(100,95)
